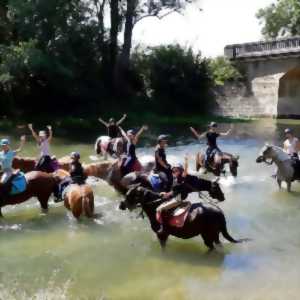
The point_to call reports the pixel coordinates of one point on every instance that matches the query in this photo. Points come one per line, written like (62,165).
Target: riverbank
(73,125)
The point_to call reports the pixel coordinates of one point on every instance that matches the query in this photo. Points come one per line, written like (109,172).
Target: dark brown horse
(207,220)
(39,185)
(80,200)
(217,164)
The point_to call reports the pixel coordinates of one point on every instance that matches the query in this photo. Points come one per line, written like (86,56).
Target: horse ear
(217,180)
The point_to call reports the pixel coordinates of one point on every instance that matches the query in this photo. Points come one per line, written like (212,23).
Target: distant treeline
(62,57)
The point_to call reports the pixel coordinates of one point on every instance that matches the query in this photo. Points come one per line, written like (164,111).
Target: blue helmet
(4,142)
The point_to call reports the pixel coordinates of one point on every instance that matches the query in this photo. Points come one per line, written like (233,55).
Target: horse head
(133,197)
(267,152)
(215,191)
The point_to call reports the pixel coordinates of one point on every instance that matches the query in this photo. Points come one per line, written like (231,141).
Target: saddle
(15,185)
(175,217)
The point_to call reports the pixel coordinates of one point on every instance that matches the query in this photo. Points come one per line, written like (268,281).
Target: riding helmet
(213,124)
(4,142)
(178,166)
(75,155)
(288,130)
(162,137)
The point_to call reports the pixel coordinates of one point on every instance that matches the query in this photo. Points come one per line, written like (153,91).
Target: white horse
(284,163)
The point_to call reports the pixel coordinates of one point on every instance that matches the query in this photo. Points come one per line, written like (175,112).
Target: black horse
(205,219)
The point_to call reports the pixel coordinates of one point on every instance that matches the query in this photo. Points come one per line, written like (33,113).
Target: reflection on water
(116,256)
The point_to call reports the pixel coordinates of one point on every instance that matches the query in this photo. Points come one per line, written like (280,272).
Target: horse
(114,147)
(79,199)
(203,219)
(39,185)
(217,164)
(27,164)
(288,169)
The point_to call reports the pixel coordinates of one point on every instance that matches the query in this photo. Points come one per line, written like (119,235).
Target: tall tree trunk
(114,29)
(123,63)
(5,26)
(125,56)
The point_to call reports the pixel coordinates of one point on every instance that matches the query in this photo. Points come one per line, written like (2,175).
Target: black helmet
(111,120)
(162,137)
(213,124)
(288,130)
(178,166)
(75,155)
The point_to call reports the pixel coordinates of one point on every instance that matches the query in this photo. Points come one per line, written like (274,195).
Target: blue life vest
(155,181)
(19,184)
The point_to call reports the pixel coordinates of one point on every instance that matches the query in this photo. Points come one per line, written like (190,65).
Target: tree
(280,19)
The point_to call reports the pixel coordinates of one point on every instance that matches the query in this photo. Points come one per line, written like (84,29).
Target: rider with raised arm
(132,139)
(161,163)
(113,130)
(43,142)
(291,145)
(212,148)
(6,158)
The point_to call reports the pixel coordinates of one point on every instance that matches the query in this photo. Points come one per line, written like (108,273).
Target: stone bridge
(272,71)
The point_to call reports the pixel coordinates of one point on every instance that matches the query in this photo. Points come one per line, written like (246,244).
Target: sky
(221,22)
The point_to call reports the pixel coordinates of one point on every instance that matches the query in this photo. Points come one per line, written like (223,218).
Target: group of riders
(173,182)
(45,163)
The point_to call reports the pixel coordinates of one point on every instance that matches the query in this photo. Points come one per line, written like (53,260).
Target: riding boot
(161,229)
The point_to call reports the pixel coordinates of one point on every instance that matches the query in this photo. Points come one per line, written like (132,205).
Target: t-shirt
(290,146)
(212,139)
(44,147)
(77,172)
(6,159)
(160,153)
(113,131)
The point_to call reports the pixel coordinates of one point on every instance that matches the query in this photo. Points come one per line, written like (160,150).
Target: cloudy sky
(221,22)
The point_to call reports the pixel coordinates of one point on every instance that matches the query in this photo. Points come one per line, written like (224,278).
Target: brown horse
(27,164)
(80,200)
(217,164)
(39,185)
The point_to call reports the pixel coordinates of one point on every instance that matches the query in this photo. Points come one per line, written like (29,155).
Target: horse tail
(87,205)
(98,146)
(228,237)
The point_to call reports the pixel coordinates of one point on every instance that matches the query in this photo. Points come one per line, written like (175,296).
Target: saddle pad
(19,184)
(176,218)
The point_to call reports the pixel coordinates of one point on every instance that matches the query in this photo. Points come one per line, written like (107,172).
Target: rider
(6,159)
(77,176)
(179,173)
(132,139)
(113,130)
(44,163)
(291,145)
(211,135)
(161,163)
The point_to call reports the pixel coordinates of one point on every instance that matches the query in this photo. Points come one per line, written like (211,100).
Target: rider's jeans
(7,173)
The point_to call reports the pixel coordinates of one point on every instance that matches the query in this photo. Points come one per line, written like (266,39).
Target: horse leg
(162,240)
(208,241)
(289,185)
(198,161)
(44,203)
(279,183)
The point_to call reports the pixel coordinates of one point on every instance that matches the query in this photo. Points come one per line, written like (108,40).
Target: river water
(116,255)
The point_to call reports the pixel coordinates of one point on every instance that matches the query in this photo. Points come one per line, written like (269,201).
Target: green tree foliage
(280,19)
(176,79)
(223,70)
(58,56)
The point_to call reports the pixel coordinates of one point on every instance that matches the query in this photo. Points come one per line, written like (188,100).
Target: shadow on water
(191,252)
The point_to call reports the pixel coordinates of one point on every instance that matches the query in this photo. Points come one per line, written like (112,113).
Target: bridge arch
(289,94)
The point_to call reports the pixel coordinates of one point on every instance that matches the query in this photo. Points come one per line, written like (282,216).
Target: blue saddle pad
(19,184)
(155,182)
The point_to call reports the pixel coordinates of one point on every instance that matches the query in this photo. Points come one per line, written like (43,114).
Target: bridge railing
(263,48)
